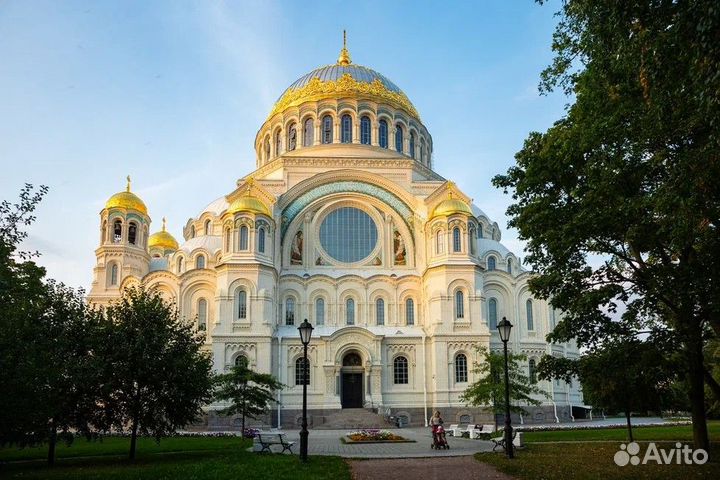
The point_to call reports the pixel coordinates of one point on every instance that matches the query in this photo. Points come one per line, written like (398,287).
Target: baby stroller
(439,440)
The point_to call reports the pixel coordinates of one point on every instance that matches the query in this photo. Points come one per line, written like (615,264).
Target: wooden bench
(267,440)
(500,441)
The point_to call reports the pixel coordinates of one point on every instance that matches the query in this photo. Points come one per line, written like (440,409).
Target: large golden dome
(162,239)
(451,206)
(248,203)
(127,200)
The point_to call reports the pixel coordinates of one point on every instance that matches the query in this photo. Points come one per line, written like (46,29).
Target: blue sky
(173,93)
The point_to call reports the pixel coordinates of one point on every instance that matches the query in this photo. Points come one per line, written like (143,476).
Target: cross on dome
(344,58)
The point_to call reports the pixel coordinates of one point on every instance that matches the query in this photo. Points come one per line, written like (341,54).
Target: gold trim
(345,86)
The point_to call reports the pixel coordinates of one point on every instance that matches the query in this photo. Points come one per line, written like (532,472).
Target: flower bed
(373,435)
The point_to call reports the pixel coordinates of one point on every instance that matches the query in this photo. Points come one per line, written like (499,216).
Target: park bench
(267,440)
(500,441)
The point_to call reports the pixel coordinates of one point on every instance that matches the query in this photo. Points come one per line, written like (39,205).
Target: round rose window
(348,234)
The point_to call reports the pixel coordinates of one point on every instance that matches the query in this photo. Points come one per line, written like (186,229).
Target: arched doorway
(352,381)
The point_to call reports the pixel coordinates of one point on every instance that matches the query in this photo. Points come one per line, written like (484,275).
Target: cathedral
(344,222)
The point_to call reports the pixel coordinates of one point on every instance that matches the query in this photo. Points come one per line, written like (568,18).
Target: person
(436,421)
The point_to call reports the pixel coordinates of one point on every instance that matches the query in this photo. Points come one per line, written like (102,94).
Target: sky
(173,93)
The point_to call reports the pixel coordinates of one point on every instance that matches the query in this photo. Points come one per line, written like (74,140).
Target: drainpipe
(557,420)
(279,372)
(424,380)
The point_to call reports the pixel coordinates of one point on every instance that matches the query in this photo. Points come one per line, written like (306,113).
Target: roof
(211,243)
(331,73)
(216,207)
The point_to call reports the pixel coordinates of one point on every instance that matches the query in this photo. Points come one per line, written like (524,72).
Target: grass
(194,458)
(654,433)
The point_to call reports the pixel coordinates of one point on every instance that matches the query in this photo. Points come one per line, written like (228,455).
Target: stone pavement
(327,442)
(458,468)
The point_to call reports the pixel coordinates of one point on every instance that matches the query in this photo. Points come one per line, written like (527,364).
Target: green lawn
(173,458)
(679,432)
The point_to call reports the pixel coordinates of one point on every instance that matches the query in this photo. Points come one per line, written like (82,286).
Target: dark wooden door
(352,390)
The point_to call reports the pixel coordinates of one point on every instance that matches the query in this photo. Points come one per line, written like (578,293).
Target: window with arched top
(459,304)
(292,138)
(461,369)
(132,233)
(308,132)
(327,129)
(228,239)
(383,133)
(380,311)
(350,311)
(346,129)
(532,371)
(208,227)
(114,274)
(267,149)
(243,238)
(103,234)
(439,240)
(302,371)
(412,145)
(529,315)
(422,151)
(202,314)
(320,311)
(290,311)
(192,231)
(241,361)
(472,240)
(510,266)
(242,304)
(179,265)
(399,138)
(480,231)
(117,231)
(278,143)
(365,135)
(456,240)
(400,371)
(491,263)
(261,239)
(200,261)
(410,311)
(492,314)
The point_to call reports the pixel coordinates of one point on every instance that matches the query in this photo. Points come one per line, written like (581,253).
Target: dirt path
(455,468)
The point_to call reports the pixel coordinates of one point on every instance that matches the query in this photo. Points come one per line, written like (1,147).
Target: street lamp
(504,328)
(305,333)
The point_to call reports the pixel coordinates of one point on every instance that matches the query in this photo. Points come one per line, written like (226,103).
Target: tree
(250,393)
(617,200)
(489,389)
(157,374)
(626,376)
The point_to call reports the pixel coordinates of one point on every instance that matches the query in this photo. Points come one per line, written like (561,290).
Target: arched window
(456,239)
(399,138)
(192,231)
(412,145)
(261,240)
(400,371)
(132,233)
(200,261)
(509,266)
(227,239)
(480,231)
(491,263)
(365,130)
(302,371)
(532,373)
(350,311)
(320,311)
(292,138)
(492,314)
(202,314)
(380,311)
(179,265)
(290,311)
(308,132)
(439,242)
(459,304)
(327,129)
(241,361)
(114,274)
(278,143)
(242,304)
(461,372)
(267,149)
(243,238)
(383,134)
(422,151)
(472,240)
(346,129)
(117,231)
(529,314)
(208,227)
(103,234)
(410,311)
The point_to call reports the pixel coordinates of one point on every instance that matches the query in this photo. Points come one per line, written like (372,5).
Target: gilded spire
(344,58)
(127,189)
(164,222)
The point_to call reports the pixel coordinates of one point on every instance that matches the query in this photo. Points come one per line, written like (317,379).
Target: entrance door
(352,390)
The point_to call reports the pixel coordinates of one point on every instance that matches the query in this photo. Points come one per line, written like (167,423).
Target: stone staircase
(351,418)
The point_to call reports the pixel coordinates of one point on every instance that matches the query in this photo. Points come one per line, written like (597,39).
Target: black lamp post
(504,328)
(305,333)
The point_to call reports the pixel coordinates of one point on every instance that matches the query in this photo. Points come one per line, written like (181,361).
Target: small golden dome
(248,203)
(451,206)
(127,200)
(163,240)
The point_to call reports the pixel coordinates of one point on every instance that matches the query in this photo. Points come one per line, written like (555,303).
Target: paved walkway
(327,442)
(459,468)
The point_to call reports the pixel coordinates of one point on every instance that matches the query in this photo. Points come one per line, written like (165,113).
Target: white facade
(344,223)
